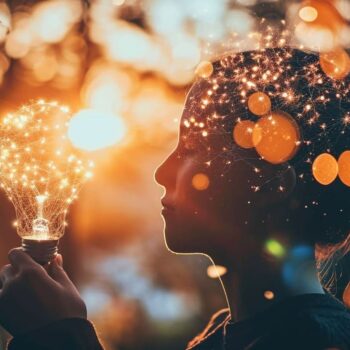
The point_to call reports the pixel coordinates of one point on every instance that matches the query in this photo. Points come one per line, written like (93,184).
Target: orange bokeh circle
(336,64)
(243,132)
(328,17)
(325,168)
(200,182)
(276,137)
(344,168)
(259,103)
(205,69)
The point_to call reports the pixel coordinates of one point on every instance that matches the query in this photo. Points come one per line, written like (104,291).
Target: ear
(277,184)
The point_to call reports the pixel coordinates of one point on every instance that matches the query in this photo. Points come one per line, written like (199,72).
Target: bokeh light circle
(200,182)
(276,137)
(259,103)
(216,271)
(269,295)
(325,169)
(308,13)
(344,168)
(93,130)
(204,69)
(243,133)
(336,64)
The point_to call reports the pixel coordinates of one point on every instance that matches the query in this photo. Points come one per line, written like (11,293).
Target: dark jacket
(306,322)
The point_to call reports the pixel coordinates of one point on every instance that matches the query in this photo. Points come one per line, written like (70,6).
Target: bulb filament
(40,224)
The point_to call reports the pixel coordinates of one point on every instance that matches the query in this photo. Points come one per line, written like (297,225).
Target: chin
(180,242)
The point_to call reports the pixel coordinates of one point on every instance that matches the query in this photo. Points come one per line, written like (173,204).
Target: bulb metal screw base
(41,251)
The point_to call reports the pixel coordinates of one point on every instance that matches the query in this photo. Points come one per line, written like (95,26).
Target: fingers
(59,260)
(20,260)
(6,273)
(57,273)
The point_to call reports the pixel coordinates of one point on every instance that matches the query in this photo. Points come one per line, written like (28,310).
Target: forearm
(68,334)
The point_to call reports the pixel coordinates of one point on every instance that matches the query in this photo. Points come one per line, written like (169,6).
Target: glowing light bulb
(41,173)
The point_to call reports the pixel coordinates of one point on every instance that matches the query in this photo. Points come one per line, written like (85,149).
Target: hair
(319,105)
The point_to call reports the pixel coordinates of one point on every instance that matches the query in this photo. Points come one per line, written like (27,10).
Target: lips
(167,206)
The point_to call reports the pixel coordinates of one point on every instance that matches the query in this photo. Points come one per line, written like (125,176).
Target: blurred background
(125,66)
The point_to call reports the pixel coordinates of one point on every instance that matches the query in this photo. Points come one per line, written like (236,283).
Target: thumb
(57,273)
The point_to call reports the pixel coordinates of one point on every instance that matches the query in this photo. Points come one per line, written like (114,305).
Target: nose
(165,175)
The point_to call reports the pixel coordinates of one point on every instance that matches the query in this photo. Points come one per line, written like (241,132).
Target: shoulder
(216,322)
(331,327)
(320,328)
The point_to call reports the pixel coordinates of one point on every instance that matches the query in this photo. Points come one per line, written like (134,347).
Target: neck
(250,280)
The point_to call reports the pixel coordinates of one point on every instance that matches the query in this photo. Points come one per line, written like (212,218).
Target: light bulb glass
(40,170)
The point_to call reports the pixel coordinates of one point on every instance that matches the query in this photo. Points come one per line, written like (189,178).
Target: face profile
(244,167)
(255,211)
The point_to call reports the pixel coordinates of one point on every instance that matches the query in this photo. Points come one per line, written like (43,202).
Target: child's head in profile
(261,155)
(259,178)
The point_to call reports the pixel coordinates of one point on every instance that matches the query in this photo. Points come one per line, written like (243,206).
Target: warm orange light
(200,182)
(322,14)
(216,271)
(276,137)
(344,168)
(92,130)
(325,168)
(346,296)
(269,295)
(204,69)
(308,13)
(336,64)
(259,103)
(243,132)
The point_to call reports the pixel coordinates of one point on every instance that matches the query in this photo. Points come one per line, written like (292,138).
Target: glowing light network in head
(276,101)
(40,171)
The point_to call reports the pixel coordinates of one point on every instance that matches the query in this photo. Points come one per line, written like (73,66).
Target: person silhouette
(252,183)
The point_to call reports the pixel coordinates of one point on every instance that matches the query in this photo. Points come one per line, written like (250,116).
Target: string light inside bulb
(40,170)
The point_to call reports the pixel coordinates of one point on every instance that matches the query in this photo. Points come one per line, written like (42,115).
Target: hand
(32,297)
